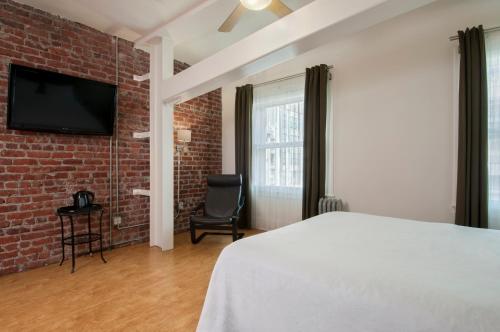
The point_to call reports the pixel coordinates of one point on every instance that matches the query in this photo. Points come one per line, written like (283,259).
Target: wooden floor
(139,289)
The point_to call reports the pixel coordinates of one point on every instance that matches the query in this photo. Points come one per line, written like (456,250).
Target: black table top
(71,210)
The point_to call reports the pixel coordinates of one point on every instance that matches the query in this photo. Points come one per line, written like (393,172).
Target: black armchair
(221,208)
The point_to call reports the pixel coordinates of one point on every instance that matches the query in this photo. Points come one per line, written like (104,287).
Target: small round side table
(74,239)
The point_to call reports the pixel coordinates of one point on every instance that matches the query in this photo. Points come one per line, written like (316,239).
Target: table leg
(90,232)
(100,236)
(72,245)
(62,240)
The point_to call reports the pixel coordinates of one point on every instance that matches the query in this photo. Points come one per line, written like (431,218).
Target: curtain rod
(452,38)
(284,79)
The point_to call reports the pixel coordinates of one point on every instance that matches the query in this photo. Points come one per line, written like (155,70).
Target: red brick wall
(39,171)
(203,156)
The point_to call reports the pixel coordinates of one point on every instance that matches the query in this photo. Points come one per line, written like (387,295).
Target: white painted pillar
(161,149)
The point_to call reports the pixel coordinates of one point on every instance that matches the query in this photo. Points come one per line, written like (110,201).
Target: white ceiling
(196,36)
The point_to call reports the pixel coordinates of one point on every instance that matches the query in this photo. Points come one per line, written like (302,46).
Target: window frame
(265,146)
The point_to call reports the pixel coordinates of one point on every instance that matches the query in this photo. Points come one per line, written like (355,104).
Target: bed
(354,272)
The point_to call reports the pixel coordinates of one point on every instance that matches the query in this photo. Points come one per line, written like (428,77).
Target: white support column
(161,147)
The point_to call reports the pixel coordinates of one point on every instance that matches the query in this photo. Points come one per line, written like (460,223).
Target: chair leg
(192,229)
(235,231)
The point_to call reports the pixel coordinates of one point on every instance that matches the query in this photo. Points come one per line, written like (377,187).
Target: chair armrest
(198,208)
(236,213)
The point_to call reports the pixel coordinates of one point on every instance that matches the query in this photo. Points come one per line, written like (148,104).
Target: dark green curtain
(315,101)
(472,182)
(243,145)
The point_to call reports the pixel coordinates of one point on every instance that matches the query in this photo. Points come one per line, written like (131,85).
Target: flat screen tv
(41,100)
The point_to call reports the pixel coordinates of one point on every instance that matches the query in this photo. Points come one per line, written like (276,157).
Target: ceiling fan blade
(279,8)
(231,21)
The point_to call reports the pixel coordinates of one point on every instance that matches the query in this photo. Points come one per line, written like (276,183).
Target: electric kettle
(83,199)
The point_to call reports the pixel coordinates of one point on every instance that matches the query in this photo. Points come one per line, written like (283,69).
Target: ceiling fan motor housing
(256,4)
(275,6)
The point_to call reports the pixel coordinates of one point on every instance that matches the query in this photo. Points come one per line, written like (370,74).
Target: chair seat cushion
(210,220)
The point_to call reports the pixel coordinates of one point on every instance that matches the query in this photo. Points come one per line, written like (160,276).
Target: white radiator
(329,204)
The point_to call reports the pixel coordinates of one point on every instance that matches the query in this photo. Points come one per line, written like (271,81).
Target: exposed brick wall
(203,156)
(39,171)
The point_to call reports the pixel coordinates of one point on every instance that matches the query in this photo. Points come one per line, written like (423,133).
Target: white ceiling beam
(160,29)
(313,25)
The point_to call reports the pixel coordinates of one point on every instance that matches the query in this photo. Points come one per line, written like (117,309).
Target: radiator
(329,204)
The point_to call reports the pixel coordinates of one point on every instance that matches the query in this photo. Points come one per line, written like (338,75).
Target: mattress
(354,272)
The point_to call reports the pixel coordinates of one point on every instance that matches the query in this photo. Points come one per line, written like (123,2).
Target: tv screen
(41,100)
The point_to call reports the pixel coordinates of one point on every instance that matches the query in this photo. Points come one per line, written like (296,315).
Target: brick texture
(40,171)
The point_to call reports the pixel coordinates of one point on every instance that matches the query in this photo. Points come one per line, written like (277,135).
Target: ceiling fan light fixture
(256,4)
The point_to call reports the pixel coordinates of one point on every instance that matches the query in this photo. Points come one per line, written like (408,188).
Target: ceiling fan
(275,6)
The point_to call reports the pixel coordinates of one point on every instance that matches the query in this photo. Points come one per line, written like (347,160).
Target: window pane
(277,135)
(493,76)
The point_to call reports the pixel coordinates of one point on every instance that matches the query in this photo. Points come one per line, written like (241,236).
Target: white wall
(393,110)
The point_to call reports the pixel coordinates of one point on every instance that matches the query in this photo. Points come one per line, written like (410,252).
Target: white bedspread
(353,272)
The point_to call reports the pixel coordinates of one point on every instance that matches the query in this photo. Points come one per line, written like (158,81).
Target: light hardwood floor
(139,289)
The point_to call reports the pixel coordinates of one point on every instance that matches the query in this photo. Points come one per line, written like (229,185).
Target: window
(277,144)
(277,136)
(493,77)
